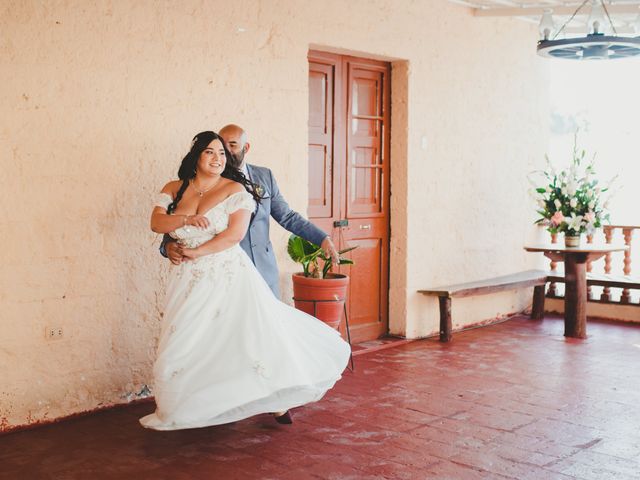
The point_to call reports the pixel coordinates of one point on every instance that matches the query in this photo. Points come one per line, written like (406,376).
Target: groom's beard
(237,159)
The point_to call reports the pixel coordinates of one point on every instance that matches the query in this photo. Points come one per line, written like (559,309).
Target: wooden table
(575,274)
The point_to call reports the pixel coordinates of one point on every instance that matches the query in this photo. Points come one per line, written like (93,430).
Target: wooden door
(349,101)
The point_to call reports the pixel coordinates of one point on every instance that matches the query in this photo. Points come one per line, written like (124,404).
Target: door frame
(341,146)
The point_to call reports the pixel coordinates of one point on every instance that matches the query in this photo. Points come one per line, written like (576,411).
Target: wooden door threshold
(382,343)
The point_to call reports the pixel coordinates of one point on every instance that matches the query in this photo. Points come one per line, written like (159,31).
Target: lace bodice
(218,216)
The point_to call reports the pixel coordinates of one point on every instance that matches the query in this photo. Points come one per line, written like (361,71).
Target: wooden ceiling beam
(559,10)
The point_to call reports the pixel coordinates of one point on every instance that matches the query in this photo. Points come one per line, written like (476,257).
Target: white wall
(100,99)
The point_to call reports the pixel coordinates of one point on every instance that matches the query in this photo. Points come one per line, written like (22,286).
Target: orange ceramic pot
(322,298)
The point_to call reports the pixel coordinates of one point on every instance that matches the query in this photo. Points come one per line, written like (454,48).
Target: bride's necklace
(202,192)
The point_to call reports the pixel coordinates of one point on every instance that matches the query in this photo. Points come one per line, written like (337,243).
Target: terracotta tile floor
(514,400)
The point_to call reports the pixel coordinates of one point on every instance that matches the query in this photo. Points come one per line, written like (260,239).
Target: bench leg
(445,318)
(537,308)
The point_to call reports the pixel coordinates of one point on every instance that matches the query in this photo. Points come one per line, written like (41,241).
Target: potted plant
(571,201)
(316,290)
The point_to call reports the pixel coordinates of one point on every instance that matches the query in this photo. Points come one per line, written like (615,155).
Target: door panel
(320,140)
(367,190)
(320,187)
(349,170)
(366,115)
(364,180)
(364,296)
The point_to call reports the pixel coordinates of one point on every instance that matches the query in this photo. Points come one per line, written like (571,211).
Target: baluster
(589,267)
(628,233)
(606,292)
(553,292)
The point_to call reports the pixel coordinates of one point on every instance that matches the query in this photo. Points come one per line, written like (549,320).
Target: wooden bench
(530,278)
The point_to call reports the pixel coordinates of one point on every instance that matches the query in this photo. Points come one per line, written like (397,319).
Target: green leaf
(295,248)
(298,248)
(325,269)
(304,253)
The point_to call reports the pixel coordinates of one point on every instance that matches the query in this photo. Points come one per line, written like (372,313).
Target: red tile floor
(514,400)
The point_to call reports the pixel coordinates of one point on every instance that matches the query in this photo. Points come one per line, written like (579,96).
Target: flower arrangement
(571,201)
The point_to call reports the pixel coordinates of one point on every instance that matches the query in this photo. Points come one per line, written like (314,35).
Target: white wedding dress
(228,348)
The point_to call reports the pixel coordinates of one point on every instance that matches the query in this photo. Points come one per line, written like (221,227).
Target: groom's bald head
(235,139)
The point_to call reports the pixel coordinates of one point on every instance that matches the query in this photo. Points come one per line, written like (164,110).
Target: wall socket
(54,333)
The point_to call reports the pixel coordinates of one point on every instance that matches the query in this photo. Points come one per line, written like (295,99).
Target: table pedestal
(575,295)
(575,278)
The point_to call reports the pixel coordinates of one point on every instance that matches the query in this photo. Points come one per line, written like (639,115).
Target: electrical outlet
(54,333)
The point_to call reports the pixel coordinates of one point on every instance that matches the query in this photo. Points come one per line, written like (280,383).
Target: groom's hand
(174,252)
(330,250)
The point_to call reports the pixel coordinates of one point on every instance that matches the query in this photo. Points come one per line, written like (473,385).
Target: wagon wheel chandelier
(596,45)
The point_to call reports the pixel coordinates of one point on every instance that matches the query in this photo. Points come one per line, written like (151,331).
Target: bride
(228,348)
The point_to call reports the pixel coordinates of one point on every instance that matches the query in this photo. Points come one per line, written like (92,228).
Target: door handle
(365,227)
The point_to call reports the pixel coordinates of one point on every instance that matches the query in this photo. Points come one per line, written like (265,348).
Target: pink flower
(557,218)
(590,217)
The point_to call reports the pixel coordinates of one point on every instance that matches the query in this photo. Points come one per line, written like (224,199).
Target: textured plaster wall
(481,102)
(100,99)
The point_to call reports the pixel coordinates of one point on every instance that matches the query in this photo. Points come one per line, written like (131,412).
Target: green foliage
(309,254)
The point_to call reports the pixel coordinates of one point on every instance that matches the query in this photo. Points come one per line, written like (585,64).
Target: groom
(256,242)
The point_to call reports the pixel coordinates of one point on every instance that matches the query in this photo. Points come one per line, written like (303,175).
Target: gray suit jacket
(256,242)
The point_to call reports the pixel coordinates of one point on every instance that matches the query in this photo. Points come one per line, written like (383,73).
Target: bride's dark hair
(187,169)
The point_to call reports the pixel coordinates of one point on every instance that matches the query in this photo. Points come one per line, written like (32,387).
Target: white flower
(574,222)
(592,204)
(563,190)
(557,203)
(573,202)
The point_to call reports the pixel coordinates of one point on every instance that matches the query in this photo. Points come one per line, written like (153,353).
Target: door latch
(341,223)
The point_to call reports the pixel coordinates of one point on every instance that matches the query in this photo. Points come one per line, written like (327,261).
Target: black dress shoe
(285,418)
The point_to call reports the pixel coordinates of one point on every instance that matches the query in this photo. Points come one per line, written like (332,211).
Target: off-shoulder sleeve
(240,200)
(163,200)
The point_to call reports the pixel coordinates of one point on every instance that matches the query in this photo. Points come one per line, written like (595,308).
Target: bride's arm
(234,233)
(161,222)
